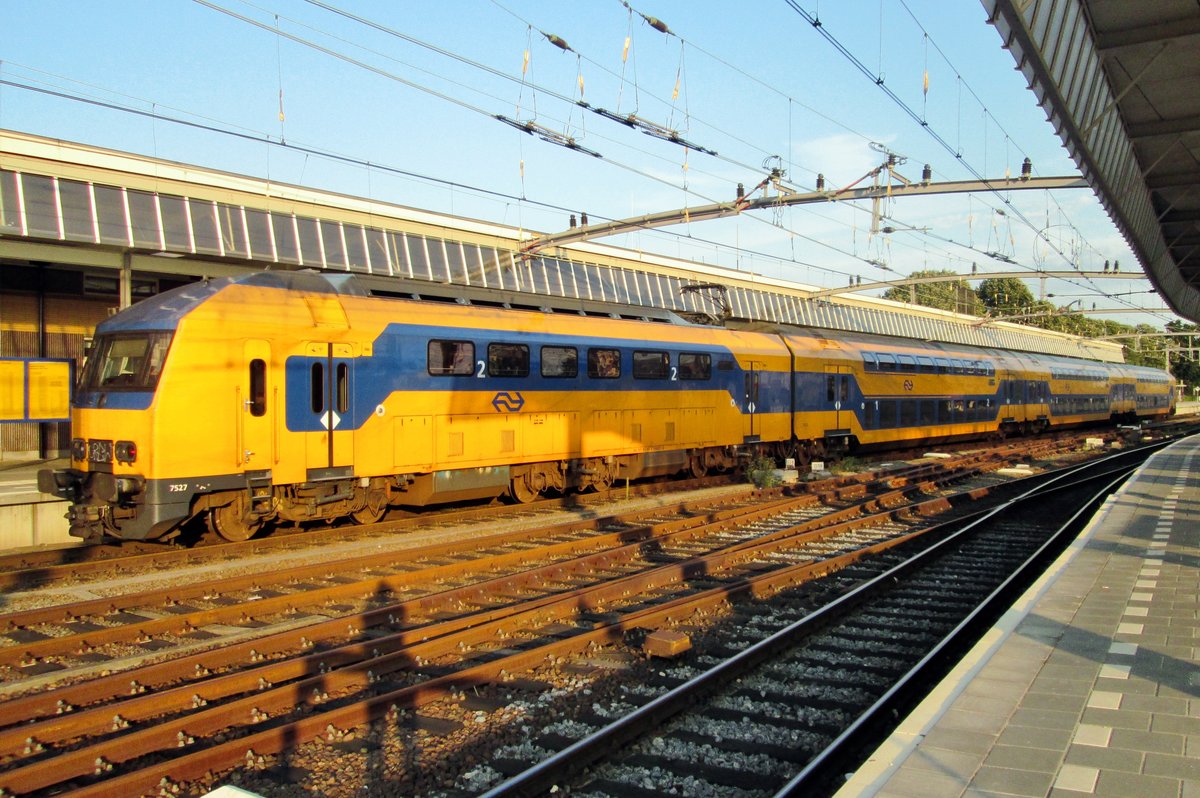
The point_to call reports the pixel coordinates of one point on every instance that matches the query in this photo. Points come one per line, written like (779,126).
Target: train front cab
(108,482)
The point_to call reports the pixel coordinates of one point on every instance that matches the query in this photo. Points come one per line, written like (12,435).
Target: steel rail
(67,699)
(587,751)
(274,700)
(61,726)
(309,692)
(901,693)
(41,568)
(23,654)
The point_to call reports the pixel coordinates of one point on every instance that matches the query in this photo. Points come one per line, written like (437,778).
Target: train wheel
(372,511)
(520,491)
(233,523)
(698,467)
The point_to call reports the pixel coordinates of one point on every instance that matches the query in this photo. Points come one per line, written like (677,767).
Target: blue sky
(756,84)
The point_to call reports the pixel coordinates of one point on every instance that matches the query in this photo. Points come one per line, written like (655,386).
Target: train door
(258,400)
(837,395)
(330,447)
(751,431)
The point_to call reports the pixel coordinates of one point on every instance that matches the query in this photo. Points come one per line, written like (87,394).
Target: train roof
(164,311)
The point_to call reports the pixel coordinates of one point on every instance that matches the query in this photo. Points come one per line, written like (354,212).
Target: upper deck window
(695,366)
(125,362)
(508,360)
(451,358)
(560,361)
(651,365)
(604,363)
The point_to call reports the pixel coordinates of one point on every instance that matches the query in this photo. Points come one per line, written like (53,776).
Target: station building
(86,231)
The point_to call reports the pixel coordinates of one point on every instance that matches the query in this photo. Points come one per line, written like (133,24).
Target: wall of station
(69,318)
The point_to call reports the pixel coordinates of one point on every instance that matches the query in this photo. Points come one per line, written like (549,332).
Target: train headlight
(78,449)
(126,451)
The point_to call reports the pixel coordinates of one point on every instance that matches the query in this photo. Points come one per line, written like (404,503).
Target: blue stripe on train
(399,364)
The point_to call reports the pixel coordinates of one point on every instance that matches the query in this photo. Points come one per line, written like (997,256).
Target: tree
(1184,365)
(1148,351)
(953,295)
(1005,296)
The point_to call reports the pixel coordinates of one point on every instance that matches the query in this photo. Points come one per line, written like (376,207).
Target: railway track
(802,696)
(67,565)
(447,620)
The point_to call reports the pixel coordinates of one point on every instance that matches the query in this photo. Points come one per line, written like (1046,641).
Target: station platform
(1090,684)
(27,516)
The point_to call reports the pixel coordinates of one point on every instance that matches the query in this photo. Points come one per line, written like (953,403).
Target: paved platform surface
(1090,685)
(18,481)
(29,518)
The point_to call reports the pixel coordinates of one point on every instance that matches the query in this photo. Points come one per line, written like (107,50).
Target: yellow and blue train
(298,396)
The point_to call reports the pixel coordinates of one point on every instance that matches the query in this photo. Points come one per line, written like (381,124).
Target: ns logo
(506,402)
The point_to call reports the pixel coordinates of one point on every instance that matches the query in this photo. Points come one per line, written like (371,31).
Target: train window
(725,365)
(957,366)
(258,387)
(451,358)
(127,362)
(887,413)
(845,388)
(887,362)
(560,361)
(925,365)
(342,387)
(651,365)
(508,360)
(604,364)
(943,365)
(695,366)
(908,412)
(869,362)
(928,412)
(830,383)
(908,363)
(317,389)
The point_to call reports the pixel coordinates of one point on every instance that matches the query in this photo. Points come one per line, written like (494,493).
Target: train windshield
(125,362)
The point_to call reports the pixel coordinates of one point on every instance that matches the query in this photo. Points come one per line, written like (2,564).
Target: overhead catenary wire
(317,152)
(696,172)
(212,126)
(549,92)
(527,127)
(879,81)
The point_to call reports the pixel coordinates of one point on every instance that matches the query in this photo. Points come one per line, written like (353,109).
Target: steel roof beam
(1147,34)
(1164,127)
(948,278)
(1173,180)
(722,209)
